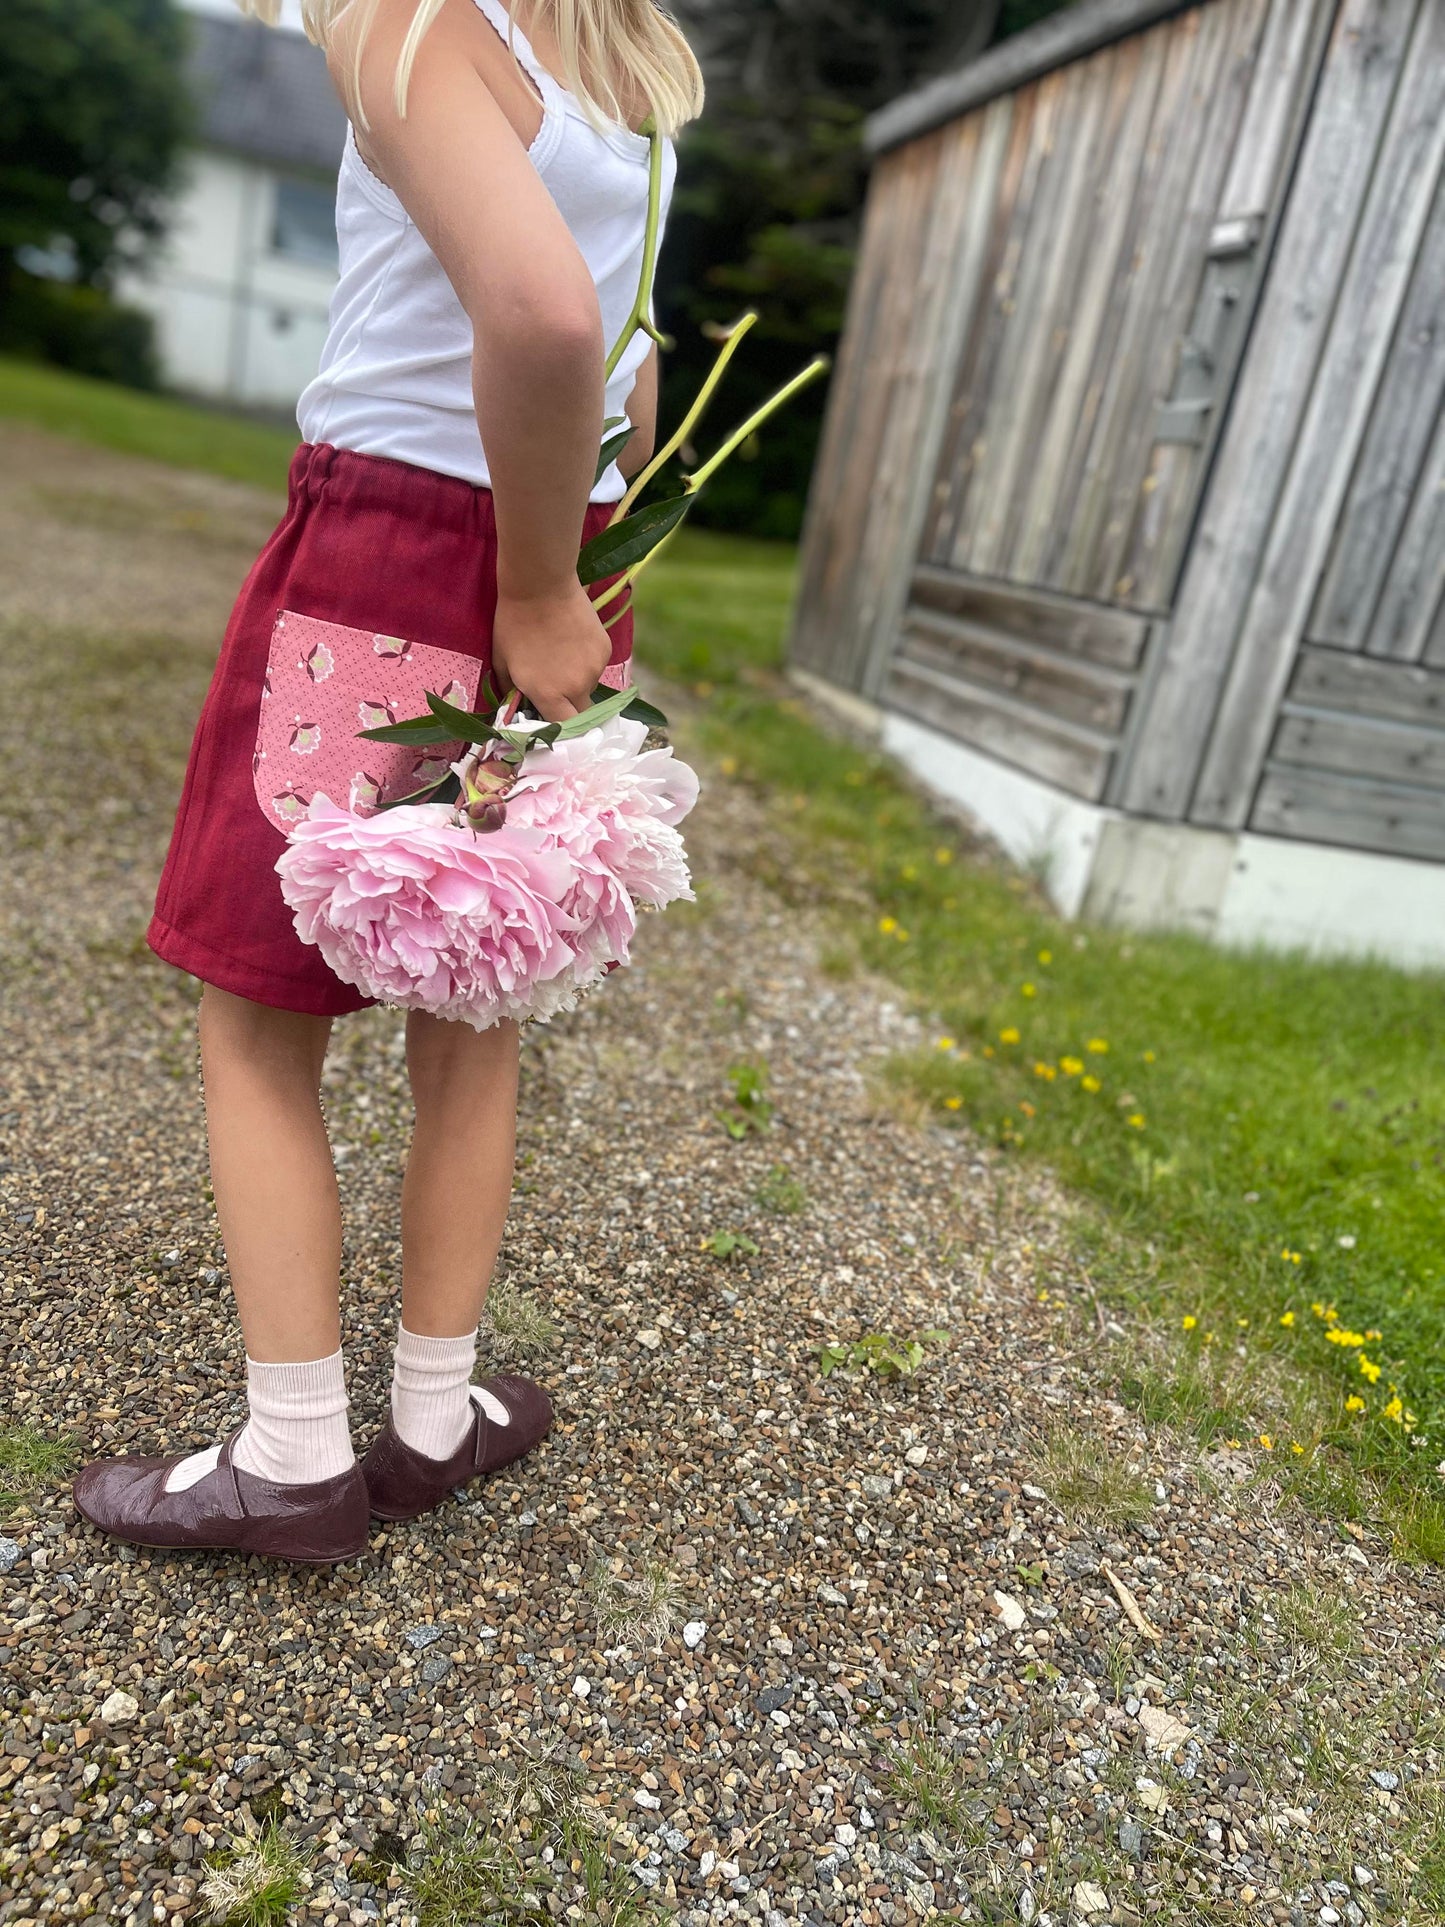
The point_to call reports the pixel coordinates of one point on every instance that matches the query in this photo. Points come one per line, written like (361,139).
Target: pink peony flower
(416,911)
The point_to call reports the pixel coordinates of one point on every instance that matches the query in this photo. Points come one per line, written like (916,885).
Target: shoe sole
(247,1552)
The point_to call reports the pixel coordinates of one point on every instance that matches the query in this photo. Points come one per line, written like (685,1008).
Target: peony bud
(485,815)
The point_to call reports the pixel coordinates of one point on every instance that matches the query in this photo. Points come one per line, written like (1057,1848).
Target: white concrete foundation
(1236,888)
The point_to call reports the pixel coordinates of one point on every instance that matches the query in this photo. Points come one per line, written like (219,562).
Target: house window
(304,225)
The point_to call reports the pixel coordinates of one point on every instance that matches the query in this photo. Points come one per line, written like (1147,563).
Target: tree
(93,109)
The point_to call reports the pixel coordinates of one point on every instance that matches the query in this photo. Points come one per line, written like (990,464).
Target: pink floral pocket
(325,682)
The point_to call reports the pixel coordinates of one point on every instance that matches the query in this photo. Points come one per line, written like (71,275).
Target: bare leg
(459,1173)
(271,1168)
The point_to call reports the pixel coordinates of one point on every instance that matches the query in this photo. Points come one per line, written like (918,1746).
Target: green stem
(639,317)
(691,483)
(692,417)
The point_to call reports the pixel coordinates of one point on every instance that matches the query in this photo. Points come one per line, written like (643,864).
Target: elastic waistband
(350,480)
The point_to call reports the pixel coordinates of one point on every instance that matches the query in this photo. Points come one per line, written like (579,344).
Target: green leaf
(446,789)
(596,714)
(418,731)
(629,540)
(637,711)
(610,450)
(467,724)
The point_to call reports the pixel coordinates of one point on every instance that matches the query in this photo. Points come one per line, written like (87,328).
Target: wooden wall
(1280,698)
(1134,469)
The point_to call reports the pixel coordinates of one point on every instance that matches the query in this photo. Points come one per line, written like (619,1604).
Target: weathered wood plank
(1067,36)
(1075,691)
(1396,444)
(1113,637)
(1277,96)
(1392,692)
(1102,232)
(966,442)
(967,191)
(1038,329)
(1162,172)
(1369,298)
(1128,561)
(1168,248)
(1074,759)
(841,564)
(1171,725)
(1360,746)
(1414,592)
(1359,815)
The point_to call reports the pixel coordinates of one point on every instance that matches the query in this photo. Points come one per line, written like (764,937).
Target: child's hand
(552,648)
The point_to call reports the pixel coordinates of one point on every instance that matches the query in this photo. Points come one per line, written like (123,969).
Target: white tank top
(396,375)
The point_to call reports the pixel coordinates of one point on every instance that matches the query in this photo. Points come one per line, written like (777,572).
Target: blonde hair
(613,51)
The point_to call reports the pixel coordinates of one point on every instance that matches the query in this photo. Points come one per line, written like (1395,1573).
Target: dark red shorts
(375,546)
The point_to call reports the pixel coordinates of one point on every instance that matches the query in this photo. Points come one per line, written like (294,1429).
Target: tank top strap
(497,13)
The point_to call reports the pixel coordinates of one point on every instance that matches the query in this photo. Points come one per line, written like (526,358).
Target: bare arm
(461,170)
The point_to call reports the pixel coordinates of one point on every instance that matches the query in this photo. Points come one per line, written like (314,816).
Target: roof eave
(1013,63)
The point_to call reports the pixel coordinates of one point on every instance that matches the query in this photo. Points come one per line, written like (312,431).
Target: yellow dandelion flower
(947,1043)
(1369,1369)
(1354,1403)
(953,1103)
(1266,1441)
(1296,1448)
(1189,1321)
(1090,1084)
(942,855)
(1235,1445)
(888,925)
(1135,1120)
(1028,990)
(1026,1108)
(729,765)
(1148,1057)
(1374,1335)
(1009,1035)
(1071,1066)
(1046,957)
(902,935)
(988,1050)
(1395,1410)
(1097,1045)
(1318,1309)
(1243,1323)
(1286,1318)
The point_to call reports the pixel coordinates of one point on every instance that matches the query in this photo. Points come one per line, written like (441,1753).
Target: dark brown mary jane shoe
(227,1509)
(404,1483)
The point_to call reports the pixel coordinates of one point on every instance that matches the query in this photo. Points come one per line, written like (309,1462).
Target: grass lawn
(157,426)
(1263,1136)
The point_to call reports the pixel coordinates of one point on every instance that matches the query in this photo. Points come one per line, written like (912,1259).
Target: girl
(491,211)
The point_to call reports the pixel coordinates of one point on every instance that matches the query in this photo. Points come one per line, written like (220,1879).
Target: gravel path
(969,1646)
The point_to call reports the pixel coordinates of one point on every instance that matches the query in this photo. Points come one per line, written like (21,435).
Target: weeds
(729,1244)
(28,1462)
(639,1609)
(521,1326)
(881,1353)
(1089,1482)
(257,1881)
(781,1193)
(751,1108)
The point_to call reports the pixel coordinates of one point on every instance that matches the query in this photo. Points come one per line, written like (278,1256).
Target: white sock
(432,1392)
(297,1432)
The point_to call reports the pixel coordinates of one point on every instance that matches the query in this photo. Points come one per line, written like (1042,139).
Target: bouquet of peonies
(519,895)
(510,883)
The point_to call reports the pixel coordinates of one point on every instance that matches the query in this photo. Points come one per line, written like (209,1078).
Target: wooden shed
(1128,525)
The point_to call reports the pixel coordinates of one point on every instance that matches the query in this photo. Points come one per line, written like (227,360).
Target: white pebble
(1010,1612)
(581,1687)
(643,1798)
(651,1339)
(693,1634)
(120,1709)
(1089,1898)
(916,1454)
(845,1835)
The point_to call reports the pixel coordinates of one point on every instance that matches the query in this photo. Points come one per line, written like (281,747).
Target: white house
(239,290)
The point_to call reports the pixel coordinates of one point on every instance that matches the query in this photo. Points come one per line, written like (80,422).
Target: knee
(259,1039)
(442,1056)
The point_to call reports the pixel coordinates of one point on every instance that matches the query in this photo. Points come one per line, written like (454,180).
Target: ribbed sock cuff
(297,1431)
(430,1391)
